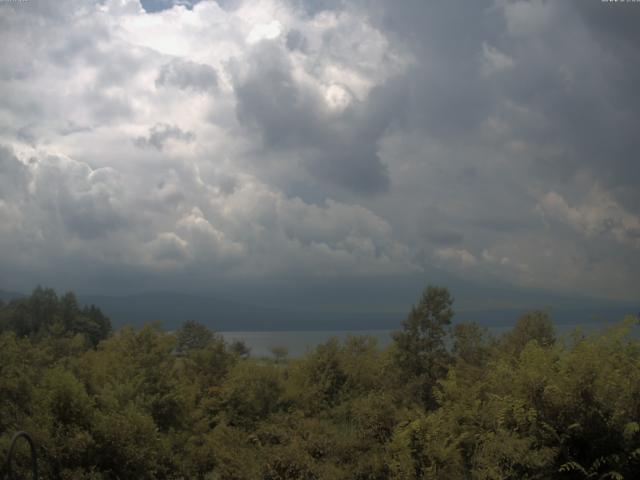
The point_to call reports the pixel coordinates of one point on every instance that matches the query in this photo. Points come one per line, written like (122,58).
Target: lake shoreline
(300,342)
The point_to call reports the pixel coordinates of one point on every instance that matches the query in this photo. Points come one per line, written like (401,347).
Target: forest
(445,400)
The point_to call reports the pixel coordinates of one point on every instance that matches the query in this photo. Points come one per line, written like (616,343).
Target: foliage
(436,404)
(421,353)
(43,314)
(193,336)
(535,325)
(279,352)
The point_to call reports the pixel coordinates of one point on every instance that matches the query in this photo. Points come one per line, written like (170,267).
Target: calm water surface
(299,343)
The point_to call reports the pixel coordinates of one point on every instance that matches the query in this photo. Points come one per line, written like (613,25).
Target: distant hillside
(172,309)
(223,315)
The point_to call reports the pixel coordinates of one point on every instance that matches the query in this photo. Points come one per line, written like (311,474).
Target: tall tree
(471,343)
(535,325)
(421,352)
(192,336)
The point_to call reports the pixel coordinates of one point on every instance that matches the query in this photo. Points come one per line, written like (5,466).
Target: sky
(334,148)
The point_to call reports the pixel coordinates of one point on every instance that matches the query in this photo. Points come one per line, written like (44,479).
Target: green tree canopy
(532,326)
(421,352)
(192,336)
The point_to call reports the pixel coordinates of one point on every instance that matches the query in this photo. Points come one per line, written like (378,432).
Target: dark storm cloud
(14,175)
(80,45)
(619,21)
(160,133)
(296,41)
(338,148)
(88,202)
(445,237)
(108,106)
(579,75)
(187,75)
(25,134)
(270,100)
(452,95)
(90,215)
(494,140)
(588,104)
(501,224)
(313,7)
(576,65)
(444,92)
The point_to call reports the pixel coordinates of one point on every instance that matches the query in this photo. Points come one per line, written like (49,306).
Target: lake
(299,343)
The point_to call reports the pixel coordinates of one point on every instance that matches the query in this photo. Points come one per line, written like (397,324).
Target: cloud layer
(495,141)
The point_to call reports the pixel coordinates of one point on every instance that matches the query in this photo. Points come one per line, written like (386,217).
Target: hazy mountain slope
(223,315)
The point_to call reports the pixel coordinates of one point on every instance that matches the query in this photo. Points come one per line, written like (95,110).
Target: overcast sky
(152,146)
